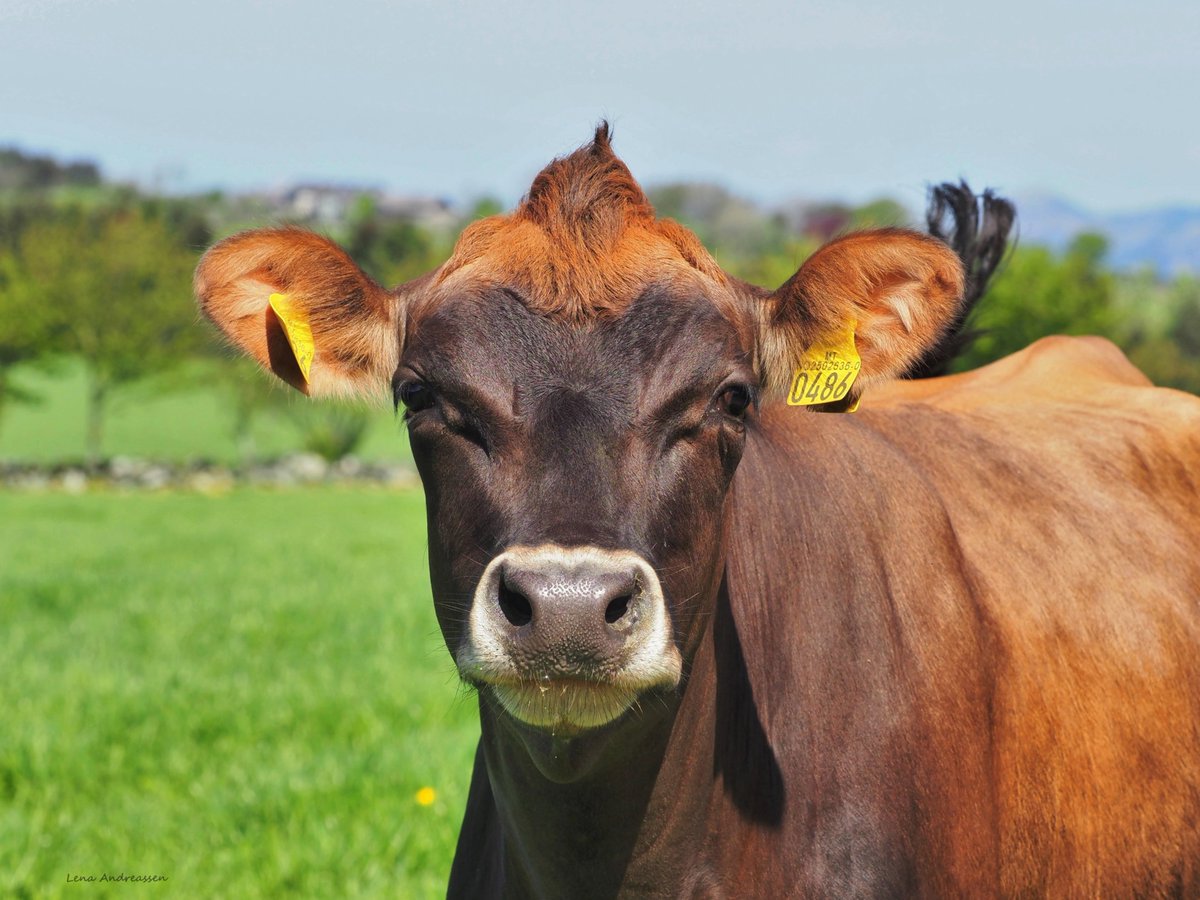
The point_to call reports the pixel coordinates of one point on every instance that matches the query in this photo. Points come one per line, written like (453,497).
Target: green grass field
(242,693)
(146,420)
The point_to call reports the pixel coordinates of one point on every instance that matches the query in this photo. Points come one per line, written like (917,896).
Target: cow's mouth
(564,705)
(570,705)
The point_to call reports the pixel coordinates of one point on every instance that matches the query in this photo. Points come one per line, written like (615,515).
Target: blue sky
(1099,102)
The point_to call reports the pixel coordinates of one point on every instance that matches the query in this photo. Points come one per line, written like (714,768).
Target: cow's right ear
(299,305)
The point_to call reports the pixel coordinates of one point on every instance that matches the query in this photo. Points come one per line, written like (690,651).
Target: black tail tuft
(977,229)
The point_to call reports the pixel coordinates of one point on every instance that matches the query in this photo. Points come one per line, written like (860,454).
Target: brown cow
(946,646)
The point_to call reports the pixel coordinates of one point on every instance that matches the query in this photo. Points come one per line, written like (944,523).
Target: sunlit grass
(247,694)
(152,420)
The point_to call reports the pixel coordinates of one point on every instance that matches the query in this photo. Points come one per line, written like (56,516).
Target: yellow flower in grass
(426,796)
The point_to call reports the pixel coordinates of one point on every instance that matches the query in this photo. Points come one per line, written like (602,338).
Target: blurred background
(220,663)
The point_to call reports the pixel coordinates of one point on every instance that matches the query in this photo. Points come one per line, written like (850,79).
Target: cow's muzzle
(569,637)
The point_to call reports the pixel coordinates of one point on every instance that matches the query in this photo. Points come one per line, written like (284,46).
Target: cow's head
(579,380)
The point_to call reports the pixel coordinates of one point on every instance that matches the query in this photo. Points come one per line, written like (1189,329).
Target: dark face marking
(621,436)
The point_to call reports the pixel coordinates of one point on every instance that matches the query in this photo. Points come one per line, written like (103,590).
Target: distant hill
(31,171)
(1168,240)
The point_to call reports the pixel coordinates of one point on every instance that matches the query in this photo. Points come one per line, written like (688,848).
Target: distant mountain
(1168,240)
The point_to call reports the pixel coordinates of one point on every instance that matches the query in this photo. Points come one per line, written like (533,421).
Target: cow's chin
(565,706)
(567,725)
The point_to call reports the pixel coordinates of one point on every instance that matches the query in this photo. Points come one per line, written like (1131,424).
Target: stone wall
(126,473)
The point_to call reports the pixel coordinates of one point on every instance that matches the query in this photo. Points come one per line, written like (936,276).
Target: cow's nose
(568,634)
(555,595)
(566,612)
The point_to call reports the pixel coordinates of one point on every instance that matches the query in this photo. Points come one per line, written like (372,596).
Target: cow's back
(980,596)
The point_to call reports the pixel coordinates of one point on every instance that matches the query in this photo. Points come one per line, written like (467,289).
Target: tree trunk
(97,397)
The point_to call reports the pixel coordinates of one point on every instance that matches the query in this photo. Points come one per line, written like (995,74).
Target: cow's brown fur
(948,646)
(583,242)
(1072,511)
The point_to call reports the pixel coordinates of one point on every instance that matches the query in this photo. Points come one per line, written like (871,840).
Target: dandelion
(426,796)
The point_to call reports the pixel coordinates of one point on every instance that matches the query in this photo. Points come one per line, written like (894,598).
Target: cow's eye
(415,396)
(734,400)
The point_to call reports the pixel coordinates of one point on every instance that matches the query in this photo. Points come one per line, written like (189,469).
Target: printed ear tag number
(295,326)
(827,371)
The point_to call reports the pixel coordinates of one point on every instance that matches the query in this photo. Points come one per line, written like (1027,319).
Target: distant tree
(1185,298)
(26,322)
(18,216)
(748,242)
(27,171)
(1038,293)
(881,213)
(762,246)
(390,250)
(692,204)
(26,331)
(484,207)
(731,227)
(1172,359)
(116,287)
(771,266)
(1164,362)
(824,221)
(185,218)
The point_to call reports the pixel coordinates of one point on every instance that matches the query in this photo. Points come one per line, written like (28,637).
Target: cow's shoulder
(1055,370)
(1075,403)
(997,571)
(1072,488)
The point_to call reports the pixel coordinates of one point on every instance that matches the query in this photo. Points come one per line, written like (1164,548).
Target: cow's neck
(630,823)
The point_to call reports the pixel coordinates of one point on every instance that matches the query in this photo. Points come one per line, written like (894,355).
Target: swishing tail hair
(977,229)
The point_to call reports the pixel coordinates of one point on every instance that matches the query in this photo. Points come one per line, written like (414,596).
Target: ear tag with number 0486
(295,326)
(827,370)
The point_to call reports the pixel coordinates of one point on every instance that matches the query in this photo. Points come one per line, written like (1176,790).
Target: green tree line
(102,274)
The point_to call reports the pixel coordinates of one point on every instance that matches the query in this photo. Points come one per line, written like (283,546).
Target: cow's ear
(898,290)
(299,305)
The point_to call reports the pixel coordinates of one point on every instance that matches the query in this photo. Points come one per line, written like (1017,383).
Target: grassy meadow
(245,693)
(181,421)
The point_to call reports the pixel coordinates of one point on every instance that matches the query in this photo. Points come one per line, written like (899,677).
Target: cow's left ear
(899,290)
(294,301)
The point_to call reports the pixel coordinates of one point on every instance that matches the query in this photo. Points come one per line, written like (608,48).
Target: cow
(731,638)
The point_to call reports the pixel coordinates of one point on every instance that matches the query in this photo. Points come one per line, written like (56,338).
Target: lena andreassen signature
(117,876)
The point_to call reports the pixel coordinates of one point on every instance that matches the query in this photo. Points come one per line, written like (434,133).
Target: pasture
(192,420)
(244,693)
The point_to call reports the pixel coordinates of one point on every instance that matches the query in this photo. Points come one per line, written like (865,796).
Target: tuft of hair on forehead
(588,196)
(584,241)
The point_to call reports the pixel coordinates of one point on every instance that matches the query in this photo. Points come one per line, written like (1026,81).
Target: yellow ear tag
(295,326)
(827,371)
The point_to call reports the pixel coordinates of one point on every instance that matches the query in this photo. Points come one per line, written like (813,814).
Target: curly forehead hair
(581,242)
(590,195)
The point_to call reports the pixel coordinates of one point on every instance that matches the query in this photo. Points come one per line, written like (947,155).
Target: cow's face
(575,480)
(579,381)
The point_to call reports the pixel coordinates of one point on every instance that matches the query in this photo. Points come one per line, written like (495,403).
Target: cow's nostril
(615,611)
(515,606)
